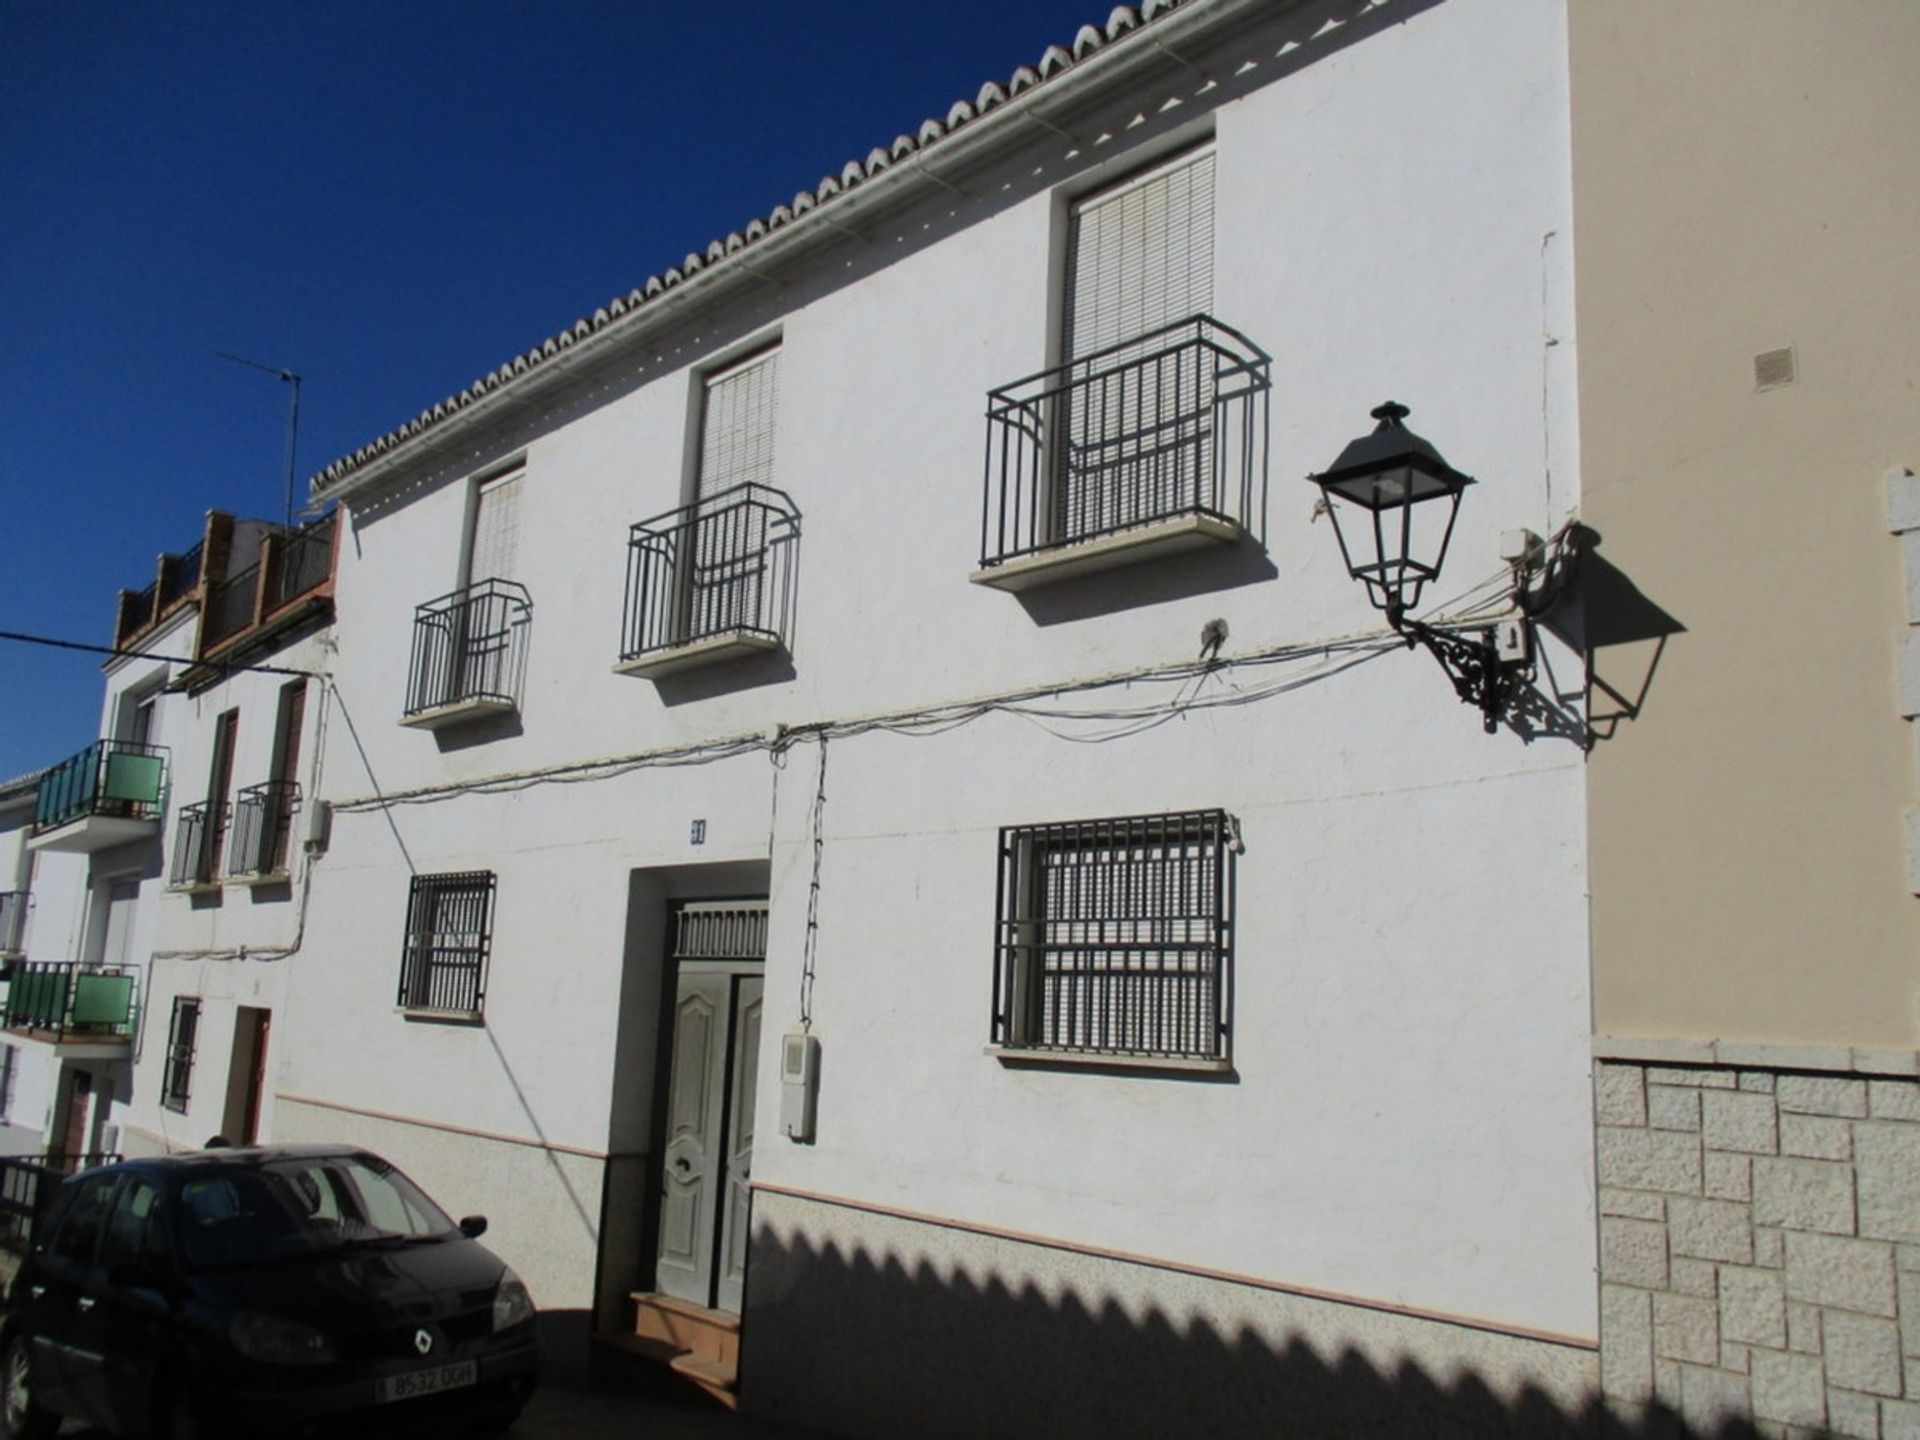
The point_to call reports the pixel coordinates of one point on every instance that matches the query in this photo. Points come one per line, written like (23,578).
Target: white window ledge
(707,650)
(1096,1060)
(263,877)
(195,887)
(1109,552)
(428,1015)
(457,712)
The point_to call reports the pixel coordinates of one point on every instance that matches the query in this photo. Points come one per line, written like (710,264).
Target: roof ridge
(1054,61)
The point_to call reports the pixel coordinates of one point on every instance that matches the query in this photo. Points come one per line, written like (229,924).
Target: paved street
(565,1412)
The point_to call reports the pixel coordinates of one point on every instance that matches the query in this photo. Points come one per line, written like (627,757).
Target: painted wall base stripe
(1179,1267)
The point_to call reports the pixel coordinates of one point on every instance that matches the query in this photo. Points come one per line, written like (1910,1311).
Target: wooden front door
(707,1150)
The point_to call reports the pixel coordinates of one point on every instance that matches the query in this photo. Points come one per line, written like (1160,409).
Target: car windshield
(245,1214)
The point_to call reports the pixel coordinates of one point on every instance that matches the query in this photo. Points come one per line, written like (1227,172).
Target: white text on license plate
(426,1382)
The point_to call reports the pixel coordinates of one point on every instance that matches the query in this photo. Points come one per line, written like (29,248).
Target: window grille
(721,930)
(1115,937)
(178,1076)
(449,932)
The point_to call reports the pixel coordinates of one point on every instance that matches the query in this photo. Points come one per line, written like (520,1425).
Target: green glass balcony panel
(102,1001)
(37,999)
(134,778)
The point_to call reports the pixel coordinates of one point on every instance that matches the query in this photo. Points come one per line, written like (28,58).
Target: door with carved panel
(707,1147)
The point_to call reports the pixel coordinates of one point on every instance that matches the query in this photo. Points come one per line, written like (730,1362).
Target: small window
(178,1077)
(78,1232)
(1114,938)
(137,1230)
(443,968)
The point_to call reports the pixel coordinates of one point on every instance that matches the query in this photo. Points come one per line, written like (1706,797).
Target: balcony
(111,793)
(197,838)
(1144,449)
(708,582)
(469,655)
(85,1010)
(13,923)
(262,833)
(286,583)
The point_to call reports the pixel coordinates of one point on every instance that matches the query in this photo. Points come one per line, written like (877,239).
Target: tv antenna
(293,414)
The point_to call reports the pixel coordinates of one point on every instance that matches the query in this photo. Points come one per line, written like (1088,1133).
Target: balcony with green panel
(112,793)
(84,1011)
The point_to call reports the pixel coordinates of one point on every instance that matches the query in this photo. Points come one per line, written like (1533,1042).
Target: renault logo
(423,1340)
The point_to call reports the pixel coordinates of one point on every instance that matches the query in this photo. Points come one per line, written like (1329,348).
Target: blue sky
(390,199)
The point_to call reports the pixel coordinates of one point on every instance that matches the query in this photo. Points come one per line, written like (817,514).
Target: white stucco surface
(1408,1120)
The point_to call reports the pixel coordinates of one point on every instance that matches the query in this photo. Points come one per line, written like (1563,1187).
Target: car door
(52,1287)
(130,1325)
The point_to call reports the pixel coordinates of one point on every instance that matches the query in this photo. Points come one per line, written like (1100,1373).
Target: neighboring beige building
(1747,259)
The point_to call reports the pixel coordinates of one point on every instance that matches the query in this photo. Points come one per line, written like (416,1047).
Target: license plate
(427,1382)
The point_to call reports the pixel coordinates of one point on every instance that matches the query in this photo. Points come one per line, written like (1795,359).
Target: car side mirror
(473,1226)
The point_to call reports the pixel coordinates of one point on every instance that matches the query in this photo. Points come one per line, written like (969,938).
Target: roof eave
(1149,43)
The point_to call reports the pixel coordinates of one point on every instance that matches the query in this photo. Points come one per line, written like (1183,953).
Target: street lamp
(1395,488)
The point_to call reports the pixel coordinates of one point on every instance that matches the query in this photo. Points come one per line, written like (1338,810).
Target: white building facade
(1024,920)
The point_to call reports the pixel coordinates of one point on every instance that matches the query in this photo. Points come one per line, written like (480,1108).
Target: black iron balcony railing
(262,828)
(470,646)
(1114,937)
(303,561)
(719,566)
(229,607)
(13,921)
(198,835)
(179,574)
(136,614)
(1172,423)
(66,1002)
(112,777)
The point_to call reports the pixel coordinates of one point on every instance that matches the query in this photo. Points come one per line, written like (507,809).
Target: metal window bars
(720,565)
(470,645)
(60,1000)
(443,967)
(198,836)
(262,828)
(110,777)
(1168,424)
(1115,937)
(720,930)
(177,1076)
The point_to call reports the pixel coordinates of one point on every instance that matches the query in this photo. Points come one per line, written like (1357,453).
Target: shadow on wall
(1622,632)
(874,1347)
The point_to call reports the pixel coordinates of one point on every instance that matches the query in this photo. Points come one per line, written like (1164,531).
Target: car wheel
(21,1416)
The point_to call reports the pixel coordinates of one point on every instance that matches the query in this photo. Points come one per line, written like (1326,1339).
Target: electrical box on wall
(799,1084)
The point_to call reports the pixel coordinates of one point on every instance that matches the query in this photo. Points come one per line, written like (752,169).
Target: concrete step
(718,1379)
(702,1332)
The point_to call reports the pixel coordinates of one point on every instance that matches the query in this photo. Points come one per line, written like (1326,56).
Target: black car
(297,1290)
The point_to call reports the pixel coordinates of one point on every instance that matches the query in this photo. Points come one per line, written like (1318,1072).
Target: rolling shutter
(496,529)
(737,424)
(1140,255)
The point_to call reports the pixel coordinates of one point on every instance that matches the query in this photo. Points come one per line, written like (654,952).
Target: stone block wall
(1760,1248)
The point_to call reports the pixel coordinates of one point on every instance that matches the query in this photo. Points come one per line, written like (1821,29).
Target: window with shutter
(1139,405)
(1114,937)
(727,550)
(443,968)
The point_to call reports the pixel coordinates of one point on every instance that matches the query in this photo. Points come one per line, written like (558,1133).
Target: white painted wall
(1410,1121)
